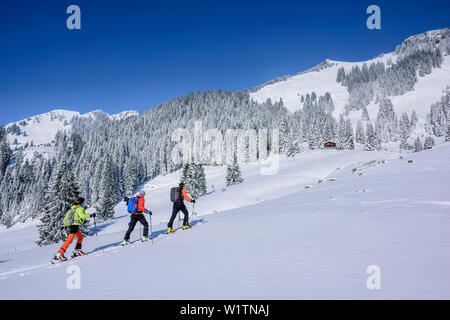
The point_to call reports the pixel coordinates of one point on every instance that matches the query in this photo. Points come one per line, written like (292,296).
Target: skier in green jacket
(74,218)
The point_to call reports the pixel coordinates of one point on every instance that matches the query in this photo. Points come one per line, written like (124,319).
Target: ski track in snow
(114,247)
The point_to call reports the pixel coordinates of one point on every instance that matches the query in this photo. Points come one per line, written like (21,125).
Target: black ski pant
(135,218)
(177,207)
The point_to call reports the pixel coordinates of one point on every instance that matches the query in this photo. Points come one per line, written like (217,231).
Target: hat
(141,193)
(79,201)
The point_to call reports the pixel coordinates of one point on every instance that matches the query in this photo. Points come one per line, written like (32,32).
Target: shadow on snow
(155,235)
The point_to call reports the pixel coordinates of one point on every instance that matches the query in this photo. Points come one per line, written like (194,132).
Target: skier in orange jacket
(178,206)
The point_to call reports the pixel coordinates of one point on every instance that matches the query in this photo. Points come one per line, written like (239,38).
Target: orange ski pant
(74,232)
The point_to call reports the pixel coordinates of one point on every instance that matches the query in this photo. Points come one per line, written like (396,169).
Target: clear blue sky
(137,54)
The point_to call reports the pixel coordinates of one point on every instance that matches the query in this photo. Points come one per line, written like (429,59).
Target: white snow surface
(427,90)
(291,90)
(267,238)
(320,82)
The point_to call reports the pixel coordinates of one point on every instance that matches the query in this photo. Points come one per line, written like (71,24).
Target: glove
(193,201)
(93,215)
(148,212)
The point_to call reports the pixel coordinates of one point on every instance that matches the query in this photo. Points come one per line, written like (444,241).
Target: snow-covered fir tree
(293,146)
(372,141)
(130,176)
(429,143)
(316,124)
(186,177)
(360,136)
(326,102)
(6,203)
(438,118)
(345,135)
(96,180)
(284,136)
(59,197)
(404,130)
(414,119)
(386,123)
(418,145)
(197,180)
(365,114)
(107,192)
(194,179)
(5,152)
(233,175)
(340,75)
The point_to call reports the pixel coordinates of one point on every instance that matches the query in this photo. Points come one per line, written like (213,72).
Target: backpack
(68,220)
(175,194)
(133,205)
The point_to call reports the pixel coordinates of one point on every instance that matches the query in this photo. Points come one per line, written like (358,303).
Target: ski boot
(78,253)
(145,238)
(125,242)
(170,230)
(187,227)
(60,257)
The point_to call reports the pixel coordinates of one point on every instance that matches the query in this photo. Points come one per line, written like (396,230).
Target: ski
(56,261)
(130,244)
(72,257)
(181,228)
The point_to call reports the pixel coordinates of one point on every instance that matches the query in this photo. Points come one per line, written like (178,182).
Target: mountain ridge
(320,79)
(39,130)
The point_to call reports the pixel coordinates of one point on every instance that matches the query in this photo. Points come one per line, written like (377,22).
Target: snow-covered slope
(427,90)
(318,80)
(40,130)
(270,238)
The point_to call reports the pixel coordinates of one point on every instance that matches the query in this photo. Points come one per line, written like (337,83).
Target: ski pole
(95,225)
(96,234)
(151,228)
(193,212)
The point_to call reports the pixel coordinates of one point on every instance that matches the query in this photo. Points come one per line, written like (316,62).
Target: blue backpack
(133,205)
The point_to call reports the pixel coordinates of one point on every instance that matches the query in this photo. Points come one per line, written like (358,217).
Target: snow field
(294,243)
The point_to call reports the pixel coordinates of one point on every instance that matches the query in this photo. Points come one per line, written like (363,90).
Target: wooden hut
(330,145)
